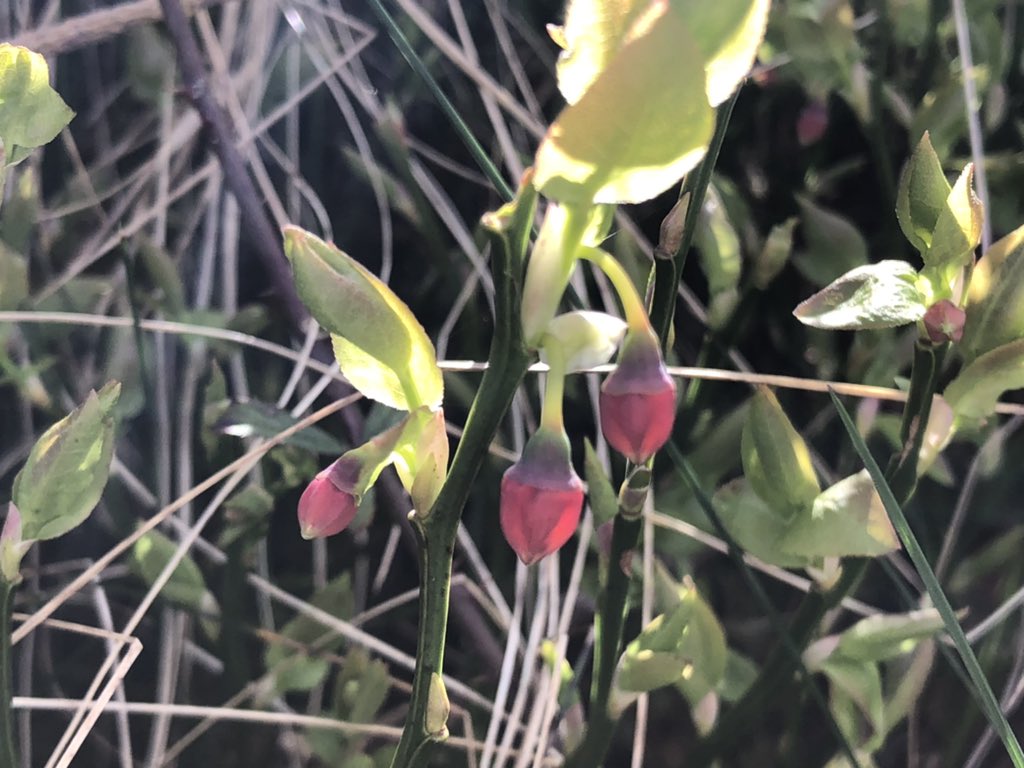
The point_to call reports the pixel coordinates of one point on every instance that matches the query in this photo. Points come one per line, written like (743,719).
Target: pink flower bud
(329,504)
(638,399)
(541,497)
(944,321)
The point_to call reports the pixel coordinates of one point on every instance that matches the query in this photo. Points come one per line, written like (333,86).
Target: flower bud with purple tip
(541,497)
(638,399)
(329,503)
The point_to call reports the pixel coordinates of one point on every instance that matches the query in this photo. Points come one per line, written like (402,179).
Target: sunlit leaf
(586,338)
(885,636)
(642,124)
(847,519)
(385,352)
(958,228)
(973,394)
(728,33)
(882,295)
(995,308)
(32,113)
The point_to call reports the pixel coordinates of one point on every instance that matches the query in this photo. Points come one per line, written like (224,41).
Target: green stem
(507,364)
(554,387)
(632,305)
(8,750)
(667,271)
(608,624)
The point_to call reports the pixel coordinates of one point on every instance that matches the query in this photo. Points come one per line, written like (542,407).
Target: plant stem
(636,315)
(8,750)
(608,623)
(507,364)
(668,271)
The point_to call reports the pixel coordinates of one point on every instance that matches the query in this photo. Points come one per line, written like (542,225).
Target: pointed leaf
(883,637)
(253,418)
(958,228)
(186,586)
(604,502)
(882,295)
(847,520)
(774,254)
(383,343)
(33,113)
(834,245)
(636,130)
(995,309)
(922,195)
(67,469)
(973,394)
(776,461)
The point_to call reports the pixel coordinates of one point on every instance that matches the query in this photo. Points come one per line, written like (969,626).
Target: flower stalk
(8,750)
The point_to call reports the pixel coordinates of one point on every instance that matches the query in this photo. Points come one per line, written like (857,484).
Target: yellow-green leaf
(973,394)
(642,124)
(995,307)
(958,228)
(67,469)
(31,112)
(728,33)
(385,352)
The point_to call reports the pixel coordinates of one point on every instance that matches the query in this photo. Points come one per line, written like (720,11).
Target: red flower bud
(638,399)
(541,497)
(944,321)
(328,505)
(812,123)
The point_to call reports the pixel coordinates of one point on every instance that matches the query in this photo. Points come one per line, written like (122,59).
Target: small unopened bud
(812,123)
(12,548)
(329,504)
(638,399)
(944,322)
(541,497)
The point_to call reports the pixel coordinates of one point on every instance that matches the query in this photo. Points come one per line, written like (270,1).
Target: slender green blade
(982,689)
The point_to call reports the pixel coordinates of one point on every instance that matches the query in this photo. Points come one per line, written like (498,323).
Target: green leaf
(882,295)
(995,307)
(720,256)
(13,278)
(67,469)
(593,33)
(776,461)
(421,457)
(861,685)
(973,394)
(834,245)
(728,33)
(756,528)
(774,254)
(604,502)
(922,195)
(846,520)
(510,226)
(186,585)
(257,419)
(884,637)
(384,351)
(958,228)
(32,113)
(684,646)
(642,124)
(300,668)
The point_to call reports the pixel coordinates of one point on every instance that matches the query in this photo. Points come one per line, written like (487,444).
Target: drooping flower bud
(944,322)
(638,399)
(541,497)
(329,503)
